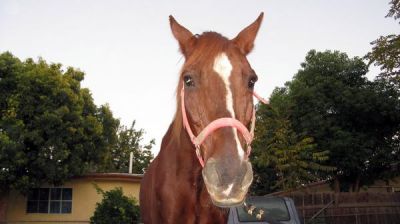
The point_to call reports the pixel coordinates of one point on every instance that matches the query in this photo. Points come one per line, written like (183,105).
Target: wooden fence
(348,208)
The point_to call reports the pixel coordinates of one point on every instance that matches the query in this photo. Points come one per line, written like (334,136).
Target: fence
(357,208)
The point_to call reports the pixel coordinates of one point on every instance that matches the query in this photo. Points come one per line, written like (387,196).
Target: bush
(115,208)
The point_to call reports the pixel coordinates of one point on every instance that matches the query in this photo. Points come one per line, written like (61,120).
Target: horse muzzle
(227,183)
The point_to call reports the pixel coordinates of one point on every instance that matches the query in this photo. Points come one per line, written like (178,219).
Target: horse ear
(245,39)
(184,37)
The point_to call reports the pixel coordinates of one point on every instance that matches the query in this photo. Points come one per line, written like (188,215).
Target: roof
(112,176)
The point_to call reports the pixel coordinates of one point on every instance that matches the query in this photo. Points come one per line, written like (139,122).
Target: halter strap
(216,124)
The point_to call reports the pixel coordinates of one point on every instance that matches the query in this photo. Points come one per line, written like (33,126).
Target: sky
(132,62)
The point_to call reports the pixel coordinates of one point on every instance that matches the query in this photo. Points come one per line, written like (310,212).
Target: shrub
(115,208)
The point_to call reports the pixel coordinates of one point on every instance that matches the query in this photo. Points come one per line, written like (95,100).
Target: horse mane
(208,46)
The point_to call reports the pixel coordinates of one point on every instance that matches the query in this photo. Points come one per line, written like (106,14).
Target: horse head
(216,100)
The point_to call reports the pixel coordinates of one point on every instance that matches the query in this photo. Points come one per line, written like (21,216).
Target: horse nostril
(219,172)
(211,177)
(210,171)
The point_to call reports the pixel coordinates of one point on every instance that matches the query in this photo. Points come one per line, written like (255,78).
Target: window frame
(51,198)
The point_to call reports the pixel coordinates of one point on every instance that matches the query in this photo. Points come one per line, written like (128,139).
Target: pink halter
(216,124)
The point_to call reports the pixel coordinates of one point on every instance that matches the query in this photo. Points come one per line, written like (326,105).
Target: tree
(129,140)
(50,129)
(386,54)
(394,9)
(355,119)
(386,51)
(291,161)
(115,208)
(264,179)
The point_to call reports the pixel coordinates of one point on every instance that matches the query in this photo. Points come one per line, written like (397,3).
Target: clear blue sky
(131,60)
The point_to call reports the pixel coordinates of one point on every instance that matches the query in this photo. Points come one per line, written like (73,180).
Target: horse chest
(190,203)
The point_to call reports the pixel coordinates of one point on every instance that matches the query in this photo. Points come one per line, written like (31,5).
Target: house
(73,202)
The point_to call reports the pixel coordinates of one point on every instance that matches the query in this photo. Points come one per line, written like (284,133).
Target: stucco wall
(84,200)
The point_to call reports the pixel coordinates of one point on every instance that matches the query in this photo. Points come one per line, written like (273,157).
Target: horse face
(218,83)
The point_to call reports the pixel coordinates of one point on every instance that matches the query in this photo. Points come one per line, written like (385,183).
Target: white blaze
(223,67)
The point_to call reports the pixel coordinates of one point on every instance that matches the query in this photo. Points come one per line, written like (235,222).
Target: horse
(202,168)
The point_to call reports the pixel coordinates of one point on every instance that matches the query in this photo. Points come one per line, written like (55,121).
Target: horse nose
(227,181)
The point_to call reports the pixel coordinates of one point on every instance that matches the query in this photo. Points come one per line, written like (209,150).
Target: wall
(84,200)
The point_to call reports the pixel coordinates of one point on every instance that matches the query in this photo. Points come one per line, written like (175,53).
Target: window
(49,200)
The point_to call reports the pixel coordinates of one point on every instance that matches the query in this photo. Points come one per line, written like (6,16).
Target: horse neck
(181,157)
(180,151)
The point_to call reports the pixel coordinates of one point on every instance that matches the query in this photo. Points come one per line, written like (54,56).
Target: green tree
(279,151)
(394,10)
(386,54)
(355,119)
(264,179)
(129,140)
(386,51)
(115,208)
(50,129)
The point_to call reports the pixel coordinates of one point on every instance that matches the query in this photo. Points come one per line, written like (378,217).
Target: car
(265,210)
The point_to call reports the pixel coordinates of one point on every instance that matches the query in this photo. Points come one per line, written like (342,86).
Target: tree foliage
(115,208)
(386,54)
(129,140)
(328,116)
(386,51)
(279,151)
(331,101)
(51,130)
(394,10)
(353,118)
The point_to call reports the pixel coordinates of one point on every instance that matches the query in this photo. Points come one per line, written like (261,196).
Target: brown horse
(193,178)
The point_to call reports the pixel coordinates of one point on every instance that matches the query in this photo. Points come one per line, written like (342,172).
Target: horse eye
(188,81)
(252,81)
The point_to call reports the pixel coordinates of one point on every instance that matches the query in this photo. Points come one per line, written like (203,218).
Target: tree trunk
(388,189)
(357,183)
(3,207)
(336,184)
